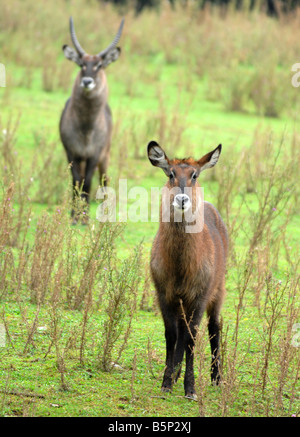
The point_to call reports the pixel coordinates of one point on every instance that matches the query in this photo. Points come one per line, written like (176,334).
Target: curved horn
(115,41)
(77,46)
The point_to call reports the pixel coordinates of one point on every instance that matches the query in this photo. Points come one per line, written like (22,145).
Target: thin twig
(18,393)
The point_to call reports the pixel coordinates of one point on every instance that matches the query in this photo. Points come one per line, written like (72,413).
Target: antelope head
(91,65)
(181,189)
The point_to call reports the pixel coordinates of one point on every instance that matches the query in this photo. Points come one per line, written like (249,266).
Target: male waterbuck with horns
(86,121)
(188,265)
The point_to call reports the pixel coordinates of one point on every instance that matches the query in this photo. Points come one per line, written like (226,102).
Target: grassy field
(80,330)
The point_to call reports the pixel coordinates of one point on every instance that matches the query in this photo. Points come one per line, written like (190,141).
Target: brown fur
(86,121)
(188,270)
(190,265)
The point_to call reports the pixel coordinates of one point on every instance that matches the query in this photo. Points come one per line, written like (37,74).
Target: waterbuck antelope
(187,265)
(86,121)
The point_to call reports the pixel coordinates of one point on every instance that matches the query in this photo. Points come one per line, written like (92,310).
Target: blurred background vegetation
(270,7)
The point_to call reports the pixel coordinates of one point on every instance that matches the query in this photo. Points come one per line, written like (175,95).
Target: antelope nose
(86,81)
(181,200)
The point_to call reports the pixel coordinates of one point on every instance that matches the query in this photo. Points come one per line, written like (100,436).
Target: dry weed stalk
(122,283)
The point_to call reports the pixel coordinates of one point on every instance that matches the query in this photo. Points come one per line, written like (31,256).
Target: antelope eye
(194,176)
(172,175)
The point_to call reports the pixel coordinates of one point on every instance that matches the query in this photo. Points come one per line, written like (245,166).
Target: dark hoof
(191,396)
(215,380)
(85,220)
(165,389)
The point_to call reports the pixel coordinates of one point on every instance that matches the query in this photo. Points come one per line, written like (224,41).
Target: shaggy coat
(86,121)
(188,269)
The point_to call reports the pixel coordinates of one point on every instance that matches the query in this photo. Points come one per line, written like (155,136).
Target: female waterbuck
(86,121)
(188,262)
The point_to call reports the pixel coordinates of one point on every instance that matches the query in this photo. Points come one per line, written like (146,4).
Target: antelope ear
(72,55)
(157,157)
(111,56)
(210,159)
